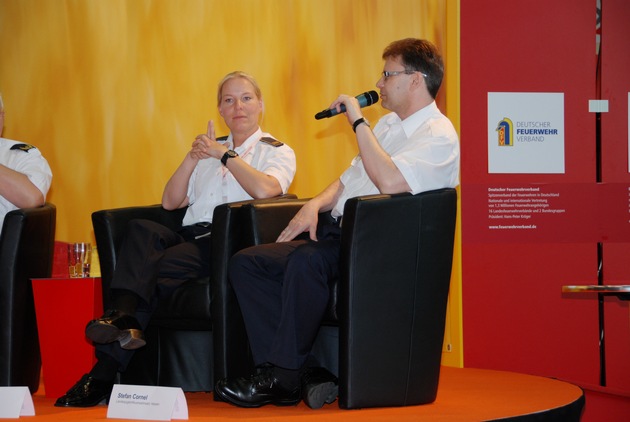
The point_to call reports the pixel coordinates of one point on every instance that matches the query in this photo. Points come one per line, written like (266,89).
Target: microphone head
(323,114)
(371,97)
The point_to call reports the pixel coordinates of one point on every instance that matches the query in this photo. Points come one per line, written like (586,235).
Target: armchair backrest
(26,251)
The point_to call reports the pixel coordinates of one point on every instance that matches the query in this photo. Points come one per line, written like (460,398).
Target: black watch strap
(358,122)
(228,154)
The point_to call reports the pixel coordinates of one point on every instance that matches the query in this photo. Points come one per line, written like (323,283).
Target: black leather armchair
(27,243)
(384,327)
(179,349)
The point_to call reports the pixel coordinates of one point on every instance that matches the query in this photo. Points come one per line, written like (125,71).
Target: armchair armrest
(26,252)
(264,222)
(396,259)
(27,242)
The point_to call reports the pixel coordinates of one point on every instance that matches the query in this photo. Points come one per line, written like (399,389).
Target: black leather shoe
(258,390)
(116,326)
(87,392)
(319,386)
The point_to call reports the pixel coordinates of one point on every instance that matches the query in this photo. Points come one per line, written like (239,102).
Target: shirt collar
(411,123)
(254,137)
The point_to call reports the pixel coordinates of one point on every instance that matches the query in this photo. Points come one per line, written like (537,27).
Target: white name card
(147,403)
(16,402)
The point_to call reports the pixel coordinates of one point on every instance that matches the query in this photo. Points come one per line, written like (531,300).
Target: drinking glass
(79,258)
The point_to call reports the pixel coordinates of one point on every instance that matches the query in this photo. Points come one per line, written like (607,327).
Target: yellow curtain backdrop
(113,92)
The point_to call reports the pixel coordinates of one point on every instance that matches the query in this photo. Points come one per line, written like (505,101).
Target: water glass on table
(79,258)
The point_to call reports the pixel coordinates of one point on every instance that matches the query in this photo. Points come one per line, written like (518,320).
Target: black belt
(196,231)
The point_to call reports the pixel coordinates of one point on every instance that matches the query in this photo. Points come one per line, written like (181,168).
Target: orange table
(63,307)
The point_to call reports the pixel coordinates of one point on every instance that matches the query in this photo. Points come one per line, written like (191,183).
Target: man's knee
(238,264)
(313,256)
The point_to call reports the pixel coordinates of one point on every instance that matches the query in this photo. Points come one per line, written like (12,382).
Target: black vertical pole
(598,164)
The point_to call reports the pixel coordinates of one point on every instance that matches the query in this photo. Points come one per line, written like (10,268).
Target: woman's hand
(206,145)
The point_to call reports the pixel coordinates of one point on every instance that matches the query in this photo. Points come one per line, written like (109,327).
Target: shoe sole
(131,340)
(104,400)
(103,334)
(325,392)
(248,405)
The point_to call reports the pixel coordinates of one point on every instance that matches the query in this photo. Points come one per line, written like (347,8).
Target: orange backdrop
(113,92)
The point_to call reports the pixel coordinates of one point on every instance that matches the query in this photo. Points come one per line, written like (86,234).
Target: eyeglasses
(386,74)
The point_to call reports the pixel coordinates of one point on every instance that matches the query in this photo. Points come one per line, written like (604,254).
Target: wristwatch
(228,154)
(358,122)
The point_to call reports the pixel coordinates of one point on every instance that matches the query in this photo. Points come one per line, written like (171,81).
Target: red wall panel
(515,315)
(615,86)
(532,46)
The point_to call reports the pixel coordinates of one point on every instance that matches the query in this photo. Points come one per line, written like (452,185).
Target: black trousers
(283,292)
(154,261)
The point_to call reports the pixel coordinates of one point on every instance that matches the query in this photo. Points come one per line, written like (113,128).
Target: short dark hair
(421,56)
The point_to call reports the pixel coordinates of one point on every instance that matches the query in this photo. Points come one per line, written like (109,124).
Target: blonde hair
(238,74)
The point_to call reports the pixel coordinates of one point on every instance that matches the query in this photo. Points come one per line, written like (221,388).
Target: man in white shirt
(25,175)
(282,288)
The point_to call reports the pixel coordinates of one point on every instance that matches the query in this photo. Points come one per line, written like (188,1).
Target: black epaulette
(23,147)
(271,141)
(222,139)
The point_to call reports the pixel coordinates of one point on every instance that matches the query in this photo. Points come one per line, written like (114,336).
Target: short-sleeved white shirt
(212,184)
(27,160)
(424,147)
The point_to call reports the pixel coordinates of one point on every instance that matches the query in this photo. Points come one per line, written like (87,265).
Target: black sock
(125,301)
(288,378)
(105,369)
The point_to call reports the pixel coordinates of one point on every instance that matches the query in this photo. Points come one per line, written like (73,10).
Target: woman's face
(240,107)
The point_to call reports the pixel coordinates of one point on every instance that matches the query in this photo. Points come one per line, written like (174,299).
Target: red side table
(63,307)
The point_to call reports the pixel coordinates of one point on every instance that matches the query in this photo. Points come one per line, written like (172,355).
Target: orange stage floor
(464,395)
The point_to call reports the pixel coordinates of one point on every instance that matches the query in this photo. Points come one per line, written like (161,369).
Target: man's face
(394,88)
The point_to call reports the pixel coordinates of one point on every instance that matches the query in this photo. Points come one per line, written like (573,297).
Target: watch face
(232,153)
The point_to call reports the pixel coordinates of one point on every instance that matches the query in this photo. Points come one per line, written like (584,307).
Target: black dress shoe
(319,386)
(87,392)
(258,390)
(116,326)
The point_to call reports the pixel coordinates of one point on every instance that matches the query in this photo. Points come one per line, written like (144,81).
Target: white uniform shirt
(424,147)
(212,184)
(27,160)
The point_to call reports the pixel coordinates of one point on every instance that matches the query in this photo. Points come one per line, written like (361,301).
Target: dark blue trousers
(283,292)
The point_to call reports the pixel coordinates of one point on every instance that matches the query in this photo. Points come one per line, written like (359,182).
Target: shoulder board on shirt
(271,141)
(222,138)
(23,147)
